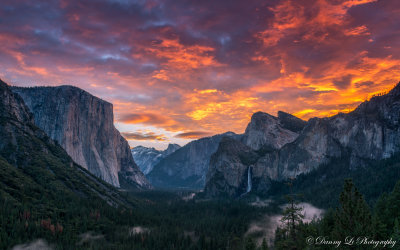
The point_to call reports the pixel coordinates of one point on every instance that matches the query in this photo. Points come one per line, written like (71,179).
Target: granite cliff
(287,149)
(34,170)
(229,168)
(83,125)
(234,162)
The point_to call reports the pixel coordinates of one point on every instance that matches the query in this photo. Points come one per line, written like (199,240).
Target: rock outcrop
(291,122)
(83,125)
(229,167)
(187,167)
(147,158)
(270,132)
(370,132)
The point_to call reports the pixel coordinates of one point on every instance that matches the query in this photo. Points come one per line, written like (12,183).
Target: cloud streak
(148,136)
(193,134)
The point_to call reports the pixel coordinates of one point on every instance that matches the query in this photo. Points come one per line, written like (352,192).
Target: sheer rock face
(370,132)
(187,167)
(227,174)
(40,162)
(267,131)
(147,158)
(83,125)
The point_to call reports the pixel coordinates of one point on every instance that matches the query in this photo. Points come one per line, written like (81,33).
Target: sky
(178,70)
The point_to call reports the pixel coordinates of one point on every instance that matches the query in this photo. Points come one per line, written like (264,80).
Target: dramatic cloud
(193,134)
(149,136)
(145,118)
(177,66)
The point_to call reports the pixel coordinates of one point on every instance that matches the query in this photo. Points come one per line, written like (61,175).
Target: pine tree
(250,244)
(396,231)
(264,245)
(393,205)
(380,232)
(387,208)
(353,217)
(327,222)
(382,213)
(292,217)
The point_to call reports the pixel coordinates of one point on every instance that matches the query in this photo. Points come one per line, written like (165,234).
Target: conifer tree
(393,205)
(396,231)
(264,245)
(379,228)
(353,217)
(288,235)
(381,213)
(250,244)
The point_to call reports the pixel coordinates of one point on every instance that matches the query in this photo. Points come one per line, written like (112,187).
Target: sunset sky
(179,70)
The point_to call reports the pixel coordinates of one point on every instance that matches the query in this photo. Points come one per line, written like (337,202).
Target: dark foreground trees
(353,224)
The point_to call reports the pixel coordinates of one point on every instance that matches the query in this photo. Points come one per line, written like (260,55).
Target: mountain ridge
(187,167)
(370,132)
(146,158)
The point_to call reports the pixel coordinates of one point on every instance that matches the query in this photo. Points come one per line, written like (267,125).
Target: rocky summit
(286,146)
(147,158)
(266,131)
(84,126)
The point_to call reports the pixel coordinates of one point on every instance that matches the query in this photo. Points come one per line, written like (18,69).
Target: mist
(265,228)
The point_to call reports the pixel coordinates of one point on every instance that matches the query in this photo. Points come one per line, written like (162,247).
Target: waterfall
(249,184)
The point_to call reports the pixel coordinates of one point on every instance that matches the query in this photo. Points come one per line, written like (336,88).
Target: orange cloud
(180,59)
(293,17)
(357,31)
(145,118)
(207,91)
(339,86)
(193,134)
(183,57)
(27,70)
(219,111)
(149,136)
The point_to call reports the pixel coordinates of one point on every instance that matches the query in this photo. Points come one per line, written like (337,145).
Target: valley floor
(156,220)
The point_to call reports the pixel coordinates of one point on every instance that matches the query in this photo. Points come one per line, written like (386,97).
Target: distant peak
(291,122)
(229,133)
(261,115)
(283,114)
(173,146)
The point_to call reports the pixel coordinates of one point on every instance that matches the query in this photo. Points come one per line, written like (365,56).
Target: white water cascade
(249,183)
